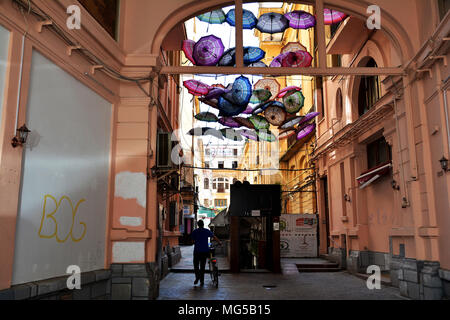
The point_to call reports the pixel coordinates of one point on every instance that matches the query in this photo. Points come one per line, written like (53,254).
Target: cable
(248,170)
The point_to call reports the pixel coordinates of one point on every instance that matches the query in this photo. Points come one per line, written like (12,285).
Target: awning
(373,174)
(209,212)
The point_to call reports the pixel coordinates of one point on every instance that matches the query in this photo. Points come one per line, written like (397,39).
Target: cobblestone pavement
(290,285)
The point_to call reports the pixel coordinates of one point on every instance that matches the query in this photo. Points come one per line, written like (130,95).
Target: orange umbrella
(293,46)
(271,85)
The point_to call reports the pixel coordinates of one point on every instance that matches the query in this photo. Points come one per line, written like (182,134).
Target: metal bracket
(439,57)
(41,24)
(71,48)
(93,68)
(425,70)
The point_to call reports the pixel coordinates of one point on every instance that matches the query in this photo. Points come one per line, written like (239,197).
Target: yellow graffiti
(50,216)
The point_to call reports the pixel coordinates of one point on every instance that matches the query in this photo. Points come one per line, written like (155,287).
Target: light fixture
(347,197)
(444,163)
(394,185)
(21,136)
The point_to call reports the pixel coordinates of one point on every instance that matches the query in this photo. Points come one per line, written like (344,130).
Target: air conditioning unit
(164,150)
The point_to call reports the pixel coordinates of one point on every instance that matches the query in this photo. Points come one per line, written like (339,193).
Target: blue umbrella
(228,58)
(242,91)
(272,22)
(249,21)
(229,109)
(213,17)
(253,54)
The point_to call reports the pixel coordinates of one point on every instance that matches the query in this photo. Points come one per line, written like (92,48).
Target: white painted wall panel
(4,47)
(62,213)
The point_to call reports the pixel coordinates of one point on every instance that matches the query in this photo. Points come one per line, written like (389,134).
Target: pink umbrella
(276,62)
(196,87)
(188,49)
(297,59)
(284,91)
(333,16)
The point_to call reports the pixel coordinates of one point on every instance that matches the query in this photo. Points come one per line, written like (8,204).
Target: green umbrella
(259,122)
(294,102)
(213,17)
(207,117)
(266,135)
(260,95)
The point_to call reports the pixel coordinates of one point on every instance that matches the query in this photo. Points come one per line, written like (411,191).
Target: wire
(248,170)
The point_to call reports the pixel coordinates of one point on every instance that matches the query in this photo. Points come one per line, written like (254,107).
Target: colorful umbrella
(228,109)
(266,135)
(261,107)
(228,58)
(260,95)
(242,91)
(249,110)
(259,122)
(212,103)
(276,62)
(284,91)
(275,115)
(215,93)
(250,134)
(213,17)
(294,102)
(208,51)
(333,16)
(272,22)
(293,46)
(188,49)
(244,122)
(271,85)
(305,131)
(253,54)
(206,116)
(291,122)
(297,59)
(229,122)
(231,134)
(286,134)
(300,19)
(196,88)
(249,19)
(308,117)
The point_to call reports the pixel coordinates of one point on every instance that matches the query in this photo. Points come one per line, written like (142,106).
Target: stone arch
(391,26)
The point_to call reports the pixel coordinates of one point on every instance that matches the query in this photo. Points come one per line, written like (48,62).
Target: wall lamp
(21,136)
(444,163)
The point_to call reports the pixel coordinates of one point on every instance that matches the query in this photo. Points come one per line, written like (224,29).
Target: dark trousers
(199,265)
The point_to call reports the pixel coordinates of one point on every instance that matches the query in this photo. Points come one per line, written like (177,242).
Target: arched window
(206,184)
(369,90)
(339,104)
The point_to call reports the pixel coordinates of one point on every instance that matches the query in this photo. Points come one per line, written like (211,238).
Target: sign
(298,235)
(276,226)
(186,210)
(256,213)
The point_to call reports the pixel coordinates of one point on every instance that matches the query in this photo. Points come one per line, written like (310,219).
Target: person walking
(201,236)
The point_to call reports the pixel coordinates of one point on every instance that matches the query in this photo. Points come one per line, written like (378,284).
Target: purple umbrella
(333,16)
(300,19)
(276,62)
(215,93)
(208,51)
(229,122)
(308,117)
(250,134)
(305,131)
(249,110)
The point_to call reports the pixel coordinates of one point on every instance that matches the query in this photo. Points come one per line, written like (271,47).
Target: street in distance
(238,309)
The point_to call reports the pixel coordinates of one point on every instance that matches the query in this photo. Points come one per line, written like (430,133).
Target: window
(207,164)
(214,185)
(220,202)
(235,165)
(369,90)
(444,6)
(206,184)
(235,152)
(319,97)
(378,153)
(221,165)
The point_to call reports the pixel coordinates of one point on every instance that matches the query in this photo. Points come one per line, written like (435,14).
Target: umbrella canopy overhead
(229,122)
(216,92)
(294,102)
(196,88)
(206,116)
(276,62)
(286,134)
(248,110)
(242,91)
(250,134)
(253,55)
(272,22)
(308,117)
(249,19)
(333,16)
(213,17)
(208,51)
(244,122)
(300,19)
(229,109)
(305,131)
(228,58)
(258,64)
(259,122)
(212,102)
(266,135)
(188,49)
(231,134)
(291,122)
(285,91)
(293,46)
(206,131)
(297,59)
(260,95)
(271,85)
(275,115)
